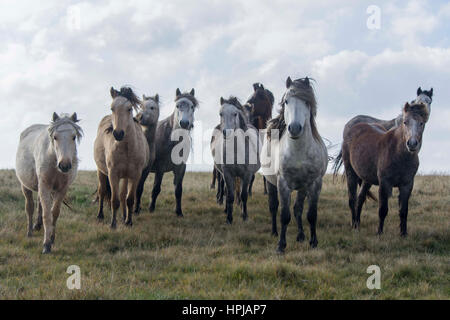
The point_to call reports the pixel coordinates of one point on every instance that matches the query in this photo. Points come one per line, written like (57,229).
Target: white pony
(296,161)
(46,162)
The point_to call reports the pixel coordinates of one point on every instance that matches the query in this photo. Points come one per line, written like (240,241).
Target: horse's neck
(400,144)
(150,131)
(131,136)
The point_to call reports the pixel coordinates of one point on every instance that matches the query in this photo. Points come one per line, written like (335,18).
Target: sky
(367,57)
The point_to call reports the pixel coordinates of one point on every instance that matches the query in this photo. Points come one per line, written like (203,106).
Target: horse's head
(150,111)
(299,106)
(259,95)
(231,116)
(414,118)
(424,96)
(185,105)
(122,111)
(64,134)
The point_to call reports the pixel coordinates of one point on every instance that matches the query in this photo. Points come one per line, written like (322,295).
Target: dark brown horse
(374,156)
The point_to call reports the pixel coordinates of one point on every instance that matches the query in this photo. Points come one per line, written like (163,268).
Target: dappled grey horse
(296,161)
(235,149)
(46,162)
(173,144)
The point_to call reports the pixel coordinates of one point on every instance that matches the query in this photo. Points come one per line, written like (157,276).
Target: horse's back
(25,156)
(386,124)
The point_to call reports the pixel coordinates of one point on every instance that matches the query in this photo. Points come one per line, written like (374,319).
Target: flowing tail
(338,161)
(107,195)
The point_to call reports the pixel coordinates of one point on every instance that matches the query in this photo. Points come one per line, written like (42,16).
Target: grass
(200,257)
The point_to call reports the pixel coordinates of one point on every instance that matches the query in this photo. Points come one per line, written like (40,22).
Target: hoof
(274,234)
(313,243)
(301,237)
(151,208)
(129,223)
(37,227)
(280,250)
(100,217)
(29,234)
(403,234)
(179,214)
(47,248)
(245,217)
(212,186)
(113,225)
(229,221)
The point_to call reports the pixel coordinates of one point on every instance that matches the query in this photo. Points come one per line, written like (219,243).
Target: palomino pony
(121,152)
(46,162)
(296,161)
(233,156)
(168,132)
(148,119)
(374,156)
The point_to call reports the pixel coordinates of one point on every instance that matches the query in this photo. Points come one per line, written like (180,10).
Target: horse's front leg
(384,191)
(273,206)
(178,183)
(313,199)
(229,182)
(56,209)
(265,185)
(403,199)
(244,196)
(115,202)
(213,181)
(156,189)
(284,193)
(132,186)
(123,198)
(298,211)
(46,201)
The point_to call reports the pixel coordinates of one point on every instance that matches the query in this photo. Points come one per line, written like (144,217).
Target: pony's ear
(222,100)
(406,107)
(157,98)
(242,123)
(178,92)
(138,117)
(114,92)
(255,86)
(144,97)
(307,81)
(55,117)
(431,92)
(74,117)
(419,91)
(288,82)
(192,93)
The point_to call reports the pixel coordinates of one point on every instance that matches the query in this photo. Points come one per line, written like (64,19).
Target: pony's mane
(188,96)
(65,119)
(303,90)
(420,109)
(128,94)
(235,102)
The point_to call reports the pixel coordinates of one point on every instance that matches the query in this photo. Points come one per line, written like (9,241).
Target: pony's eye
(220,114)
(404,122)
(421,124)
(73,138)
(285,102)
(152,108)
(130,110)
(54,138)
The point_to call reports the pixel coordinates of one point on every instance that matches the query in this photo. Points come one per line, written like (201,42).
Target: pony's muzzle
(118,135)
(64,166)
(412,144)
(184,124)
(227,133)
(295,129)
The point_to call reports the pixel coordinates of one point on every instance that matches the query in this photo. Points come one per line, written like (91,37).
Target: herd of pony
(288,150)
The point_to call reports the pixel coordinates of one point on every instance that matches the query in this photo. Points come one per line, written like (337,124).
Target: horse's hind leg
(140,190)
(156,189)
(365,187)
(285,197)
(298,211)
(352,186)
(384,192)
(29,207)
(38,225)
(250,187)
(273,206)
(313,199)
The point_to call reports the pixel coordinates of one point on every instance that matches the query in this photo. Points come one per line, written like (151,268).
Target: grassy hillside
(200,257)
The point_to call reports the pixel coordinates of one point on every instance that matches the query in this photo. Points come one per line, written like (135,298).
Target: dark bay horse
(373,155)
(171,134)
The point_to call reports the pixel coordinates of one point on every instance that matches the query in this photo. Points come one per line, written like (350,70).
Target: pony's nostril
(64,167)
(118,135)
(184,124)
